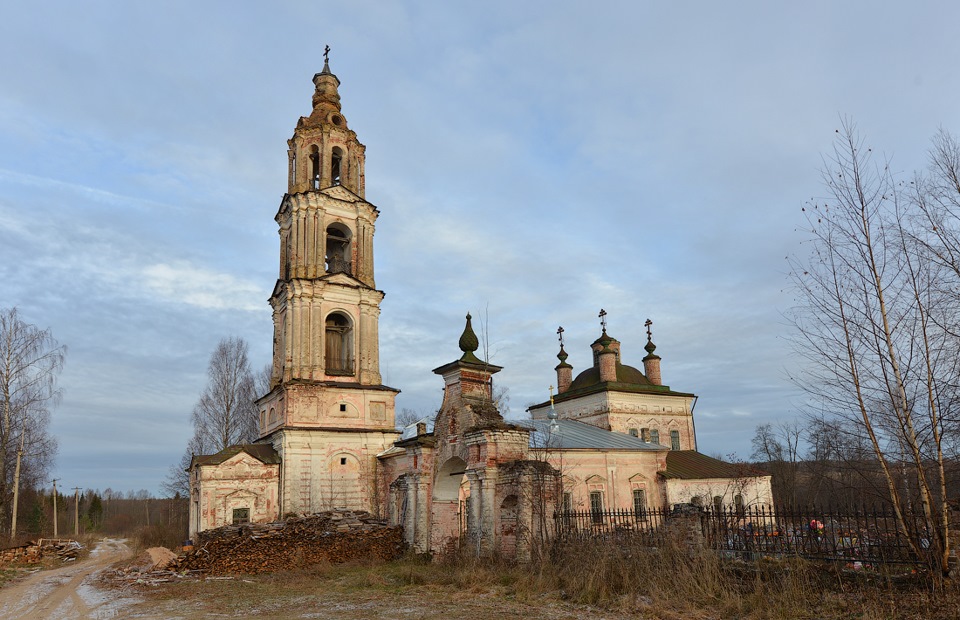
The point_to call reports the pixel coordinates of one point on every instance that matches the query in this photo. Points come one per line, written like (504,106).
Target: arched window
(338,249)
(339,345)
(654,436)
(633,432)
(315,167)
(335,160)
(674,440)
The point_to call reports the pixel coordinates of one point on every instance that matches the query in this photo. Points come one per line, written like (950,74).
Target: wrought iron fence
(867,536)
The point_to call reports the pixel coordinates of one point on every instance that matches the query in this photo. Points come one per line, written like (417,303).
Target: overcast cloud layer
(532,162)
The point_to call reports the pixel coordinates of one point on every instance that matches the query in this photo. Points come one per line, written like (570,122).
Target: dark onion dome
(469,343)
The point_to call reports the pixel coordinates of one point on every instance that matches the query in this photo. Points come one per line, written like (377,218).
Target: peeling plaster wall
(616,474)
(325,469)
(239,482)
(755,491)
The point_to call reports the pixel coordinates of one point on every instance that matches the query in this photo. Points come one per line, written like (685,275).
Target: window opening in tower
(315,167)
(339,345)
(338,251)
(335,160)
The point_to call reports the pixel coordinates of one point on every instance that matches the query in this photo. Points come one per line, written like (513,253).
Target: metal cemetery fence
(858,535)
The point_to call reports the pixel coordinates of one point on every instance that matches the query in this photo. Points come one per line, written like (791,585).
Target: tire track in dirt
(55,594)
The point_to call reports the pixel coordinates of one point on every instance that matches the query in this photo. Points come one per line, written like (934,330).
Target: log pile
(333,536)
(34,552)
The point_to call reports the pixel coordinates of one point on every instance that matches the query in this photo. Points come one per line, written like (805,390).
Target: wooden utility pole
(16,489)
(76,512)
(55,533)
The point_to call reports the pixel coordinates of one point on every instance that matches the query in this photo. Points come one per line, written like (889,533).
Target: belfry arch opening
(336,160)
(338,349)
(315,167)
(338,249)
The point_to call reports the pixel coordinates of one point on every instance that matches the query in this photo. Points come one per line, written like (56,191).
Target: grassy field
(590,580)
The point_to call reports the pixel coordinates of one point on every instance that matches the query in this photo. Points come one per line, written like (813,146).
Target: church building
(613,437)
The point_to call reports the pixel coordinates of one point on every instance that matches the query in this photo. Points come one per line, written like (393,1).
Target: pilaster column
(410,518)
(488,510)
(473,506)
(421,541)
(311,245)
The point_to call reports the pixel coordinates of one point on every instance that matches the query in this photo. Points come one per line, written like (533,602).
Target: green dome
(625,374)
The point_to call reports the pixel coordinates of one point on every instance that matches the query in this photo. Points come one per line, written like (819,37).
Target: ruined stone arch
(448,515)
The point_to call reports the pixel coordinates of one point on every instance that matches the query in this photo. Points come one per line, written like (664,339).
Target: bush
(148,536)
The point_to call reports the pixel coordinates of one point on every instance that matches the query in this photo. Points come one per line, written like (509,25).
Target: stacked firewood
(35,551)
(334,536)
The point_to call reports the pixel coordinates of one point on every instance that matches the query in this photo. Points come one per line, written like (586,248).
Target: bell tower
(327,413)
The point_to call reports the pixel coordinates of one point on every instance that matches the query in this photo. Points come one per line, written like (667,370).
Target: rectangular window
(674,440)
(654,436)
(639,503)
(241,515)
(596,506)
(567,510)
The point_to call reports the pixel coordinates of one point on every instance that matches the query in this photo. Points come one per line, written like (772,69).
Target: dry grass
(584,579)
(149,536)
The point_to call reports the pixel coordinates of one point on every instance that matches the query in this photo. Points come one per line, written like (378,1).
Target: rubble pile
(63,549)
(334,536)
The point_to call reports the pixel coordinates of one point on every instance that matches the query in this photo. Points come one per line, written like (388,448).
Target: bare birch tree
(225,414)
(30,362)
(874,323)
(779,448)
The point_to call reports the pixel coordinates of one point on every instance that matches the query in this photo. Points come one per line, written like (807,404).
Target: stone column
(473,506)
(410,518)
(421,542)
(488,511)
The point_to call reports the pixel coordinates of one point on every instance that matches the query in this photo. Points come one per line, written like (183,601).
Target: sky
(533,162)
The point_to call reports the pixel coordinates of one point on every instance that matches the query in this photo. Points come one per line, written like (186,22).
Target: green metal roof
(691,465)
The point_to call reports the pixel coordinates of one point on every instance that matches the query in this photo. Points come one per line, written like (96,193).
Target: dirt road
(68,593)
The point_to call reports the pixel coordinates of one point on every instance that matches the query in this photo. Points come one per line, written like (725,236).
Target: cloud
(181,282)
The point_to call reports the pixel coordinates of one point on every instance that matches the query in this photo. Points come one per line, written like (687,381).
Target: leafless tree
(408,416)
(261,380)
(778,447)
(178,478)
(876,323)
(225,414)
(30,362)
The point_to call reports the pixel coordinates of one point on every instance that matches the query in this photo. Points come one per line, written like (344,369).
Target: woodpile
(333,536)
(63,549)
